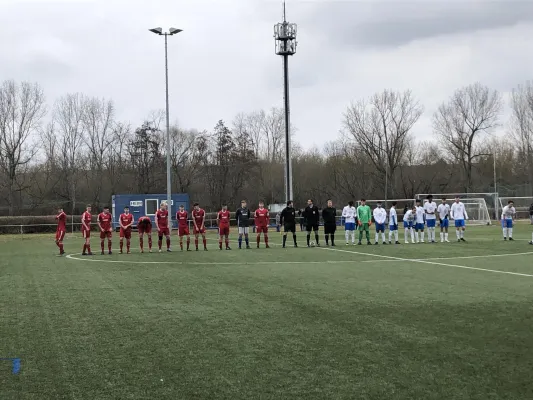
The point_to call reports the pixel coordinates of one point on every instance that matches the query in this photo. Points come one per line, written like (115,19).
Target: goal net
(491,202)
(521,204)
(478,213)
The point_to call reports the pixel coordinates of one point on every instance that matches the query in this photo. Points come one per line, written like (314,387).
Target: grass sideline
(427,321)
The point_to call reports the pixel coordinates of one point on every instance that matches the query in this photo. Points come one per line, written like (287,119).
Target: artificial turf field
(424,321)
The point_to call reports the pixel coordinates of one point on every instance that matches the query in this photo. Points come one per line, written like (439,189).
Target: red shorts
(199,231)
(261,229)
(146,229)
(163,231)
(125,233)
(106,234)
(183,231)
(223,230)
(60,235)
(86,233)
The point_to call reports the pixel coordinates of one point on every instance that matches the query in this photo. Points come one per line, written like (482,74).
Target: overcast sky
(224,61)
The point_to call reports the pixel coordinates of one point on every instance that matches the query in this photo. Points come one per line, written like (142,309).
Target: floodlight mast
(285,46)
(172,31)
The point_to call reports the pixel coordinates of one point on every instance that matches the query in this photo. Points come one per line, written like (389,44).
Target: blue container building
(146,204)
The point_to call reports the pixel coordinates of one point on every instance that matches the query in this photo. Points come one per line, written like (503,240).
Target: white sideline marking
(430,262)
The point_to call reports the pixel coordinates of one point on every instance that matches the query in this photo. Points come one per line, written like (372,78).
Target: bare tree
(521,124)
(380,128)
(184,157)
(22,107)
(470,114)
(98,123)
(68,118)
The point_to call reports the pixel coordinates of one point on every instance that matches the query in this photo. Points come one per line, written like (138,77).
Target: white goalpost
(521,204)
(475,205)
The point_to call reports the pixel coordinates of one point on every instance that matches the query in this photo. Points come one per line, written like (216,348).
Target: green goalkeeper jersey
(364,214)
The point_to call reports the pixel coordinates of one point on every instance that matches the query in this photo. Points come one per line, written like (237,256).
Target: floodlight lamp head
(173,31)
(157,31)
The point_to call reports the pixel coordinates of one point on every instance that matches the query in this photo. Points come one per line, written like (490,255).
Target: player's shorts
(261,229)
(86,233)
(507,223)
(243,230)
(289,227)
(407,225)
(364,227)
(125,233)
(419,226)
(431,223)
(164,231)
(349,226)
(330,228)
(313,227)
(223,230)
(144,229)
(444,223)
(393,228)
(183,231)
(105,234)
(459,223)
(380,227)
(199,231)
(60,235)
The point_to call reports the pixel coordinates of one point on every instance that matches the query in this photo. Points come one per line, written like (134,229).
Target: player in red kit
(144,225)
(61,229)
(126,221)
(261,223)
(182,217)
(223,217)
(86,218)
(106,231)
(198,219)
(163,225)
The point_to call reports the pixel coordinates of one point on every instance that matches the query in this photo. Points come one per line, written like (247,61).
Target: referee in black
(329,215)
(287,219)
(312,219)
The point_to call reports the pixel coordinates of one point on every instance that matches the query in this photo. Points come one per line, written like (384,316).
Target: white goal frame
(505,200)
(467,196)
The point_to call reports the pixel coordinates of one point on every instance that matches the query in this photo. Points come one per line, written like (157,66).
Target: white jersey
(430,209)
(443,210)
(508,212)
(380,215)
(349,214)
(393,217)
(420,215)
(409,216)
(458,211)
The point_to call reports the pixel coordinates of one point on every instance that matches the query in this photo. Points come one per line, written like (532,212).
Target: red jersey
(162,218)
(198,216)
(144,221)
(223,218)
(182,217)
(126,219)
(105,221)
(261,217)
(61,221)
(86,217)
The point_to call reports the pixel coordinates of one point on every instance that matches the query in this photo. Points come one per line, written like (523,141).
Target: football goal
(521,204)
(491,202)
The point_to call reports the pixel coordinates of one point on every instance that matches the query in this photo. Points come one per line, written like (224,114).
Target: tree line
(75,151)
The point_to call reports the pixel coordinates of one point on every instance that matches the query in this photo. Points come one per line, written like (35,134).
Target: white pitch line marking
(430,262)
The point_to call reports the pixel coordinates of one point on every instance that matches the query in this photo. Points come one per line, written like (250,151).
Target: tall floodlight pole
(171,31)
(496,199)
(285,39)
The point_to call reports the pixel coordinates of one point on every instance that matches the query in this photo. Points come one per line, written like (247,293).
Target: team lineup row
(415,220)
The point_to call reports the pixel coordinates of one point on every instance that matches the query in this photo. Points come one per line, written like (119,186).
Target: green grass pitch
(426,321)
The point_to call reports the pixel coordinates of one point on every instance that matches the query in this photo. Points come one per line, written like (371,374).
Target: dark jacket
(329,215)
(243,217)
(531,209)
(311,215)
(288,216)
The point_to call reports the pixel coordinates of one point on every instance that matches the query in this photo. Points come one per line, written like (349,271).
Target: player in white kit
(380,217)
(419,222)
(408,222)
(443,211)
(349,214)
(508,215)
(458,213)
(393,224)
(430,208)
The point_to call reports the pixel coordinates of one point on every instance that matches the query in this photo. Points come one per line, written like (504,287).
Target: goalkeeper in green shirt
(364,219)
